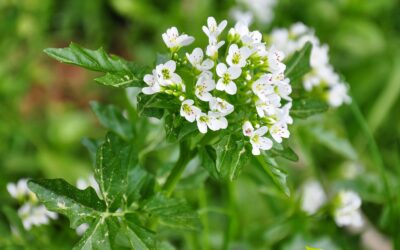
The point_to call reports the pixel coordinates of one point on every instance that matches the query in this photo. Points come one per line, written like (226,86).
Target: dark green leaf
(172,212)
(307,107)
(145,108)
(114,159)
(138,180)
(231,157)
(299,63)
(138,237)
(283,151)
(112,118)
(57,195)
(208,158)
(120,80)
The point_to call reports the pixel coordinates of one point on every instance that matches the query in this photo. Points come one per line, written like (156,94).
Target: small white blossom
(213,47)
(221,106)
(278,131)
(166,74)
(238,15)
(347,212)
(189,111)
(151,80)
(264,86)
(268,106)
(283,114)
(257,139)
(33,215)
(196,59)
(212,120)
(237,57)
(204,85)
(175,41)
(213,30)
(337,95)
(19,190)
(225,83)
(313,197)
(275,58)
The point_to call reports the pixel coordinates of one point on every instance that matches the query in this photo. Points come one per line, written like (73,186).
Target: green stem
(185,155)
(232,219)
(204,217)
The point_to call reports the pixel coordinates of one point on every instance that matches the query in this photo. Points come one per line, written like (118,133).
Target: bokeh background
(44,110)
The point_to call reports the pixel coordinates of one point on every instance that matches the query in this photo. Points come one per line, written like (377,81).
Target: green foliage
(299,64)
(304,108)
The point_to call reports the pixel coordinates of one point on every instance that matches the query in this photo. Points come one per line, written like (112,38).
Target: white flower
(283,114)
(313,197)
(220,105)
(19,190)
(337,95)
(82,184)
(213,30)
(268,105)
(151,80)
(212,48)
(257,140)
(284,89)
(32,215)
(261,9)
(278,131)
(263,86)
(196,59)
(204,85)
(81,229)
(189,111)
(212,120)
(348,212)
(238,15)
(225,83)
(166,74)
(174,41)
(275,58)
(237,57)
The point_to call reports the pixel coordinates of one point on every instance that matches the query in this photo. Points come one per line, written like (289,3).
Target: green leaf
(92,146)
(208,157)
(283,151)
(114,159)
(299,63)
(231,157)
(139,181)
(172,212)
(138,237)
(145,108)
(100,235)
(110,117)
(119,73)
(307,107)
(332,141)
(277,175)
(57,195)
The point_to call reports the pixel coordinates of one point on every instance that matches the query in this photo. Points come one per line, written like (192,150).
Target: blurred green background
(44,106)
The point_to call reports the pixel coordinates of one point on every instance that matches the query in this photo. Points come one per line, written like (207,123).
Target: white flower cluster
(261,10)
(346,204)
(322,74)
(249,75)
(31,213)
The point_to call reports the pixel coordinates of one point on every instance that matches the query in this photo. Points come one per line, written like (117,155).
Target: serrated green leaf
(119,73)
(172,212)
(277,175)
(112,118)
(115,158)
(80,206)
(231,157)
(307,107)
(144,106)
(299,64)
(283,151)
(137,236)
(100,235)
(332,141)
(120,80)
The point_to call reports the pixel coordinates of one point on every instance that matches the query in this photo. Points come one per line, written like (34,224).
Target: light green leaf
(299,63)
(231,157)
(120,73)
(57,195)
(172,212)
(145,108)
(307,107)
(139,181)
(277,175)
(331,140)
(138,237)
(100,235)
(283,151)
(112,118)
(114,159)
(208,157)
